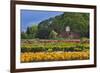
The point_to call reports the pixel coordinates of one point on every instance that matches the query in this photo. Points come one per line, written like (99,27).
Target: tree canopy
(78,23)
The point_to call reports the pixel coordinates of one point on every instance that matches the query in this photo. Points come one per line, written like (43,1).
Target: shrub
(53,46)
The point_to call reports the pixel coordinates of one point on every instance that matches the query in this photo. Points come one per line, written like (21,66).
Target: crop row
(53,56)
(54,47)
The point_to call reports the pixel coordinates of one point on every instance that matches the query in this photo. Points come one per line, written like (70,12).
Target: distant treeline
(53,27)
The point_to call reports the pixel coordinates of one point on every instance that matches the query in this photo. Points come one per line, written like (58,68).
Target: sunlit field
(54,36)
(53,50)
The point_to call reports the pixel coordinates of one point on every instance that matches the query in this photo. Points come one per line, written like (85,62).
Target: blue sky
(33,17)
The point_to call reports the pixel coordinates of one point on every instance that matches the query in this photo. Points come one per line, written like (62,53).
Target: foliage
(30,32)
(53,50)
(78,23)
(53,34)
(53,46)
(24,35)
(43,34)
(53,56)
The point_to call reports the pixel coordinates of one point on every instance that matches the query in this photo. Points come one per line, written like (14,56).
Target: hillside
(56,26)
(78,23)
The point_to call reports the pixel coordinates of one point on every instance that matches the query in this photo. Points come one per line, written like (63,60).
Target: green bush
(49,47)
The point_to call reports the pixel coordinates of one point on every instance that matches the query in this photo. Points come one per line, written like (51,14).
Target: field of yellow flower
(53,56)
(53,50)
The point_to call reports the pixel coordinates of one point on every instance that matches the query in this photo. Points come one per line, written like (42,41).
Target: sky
(34,17)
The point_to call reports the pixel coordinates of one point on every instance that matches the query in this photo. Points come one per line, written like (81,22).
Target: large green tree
(30,32)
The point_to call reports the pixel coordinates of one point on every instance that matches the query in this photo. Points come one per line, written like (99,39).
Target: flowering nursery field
(53,50)
(53,56)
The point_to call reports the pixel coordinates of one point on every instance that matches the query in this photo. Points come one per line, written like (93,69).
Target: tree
(31,31)
(78,23)
(53,34)
(50,28)
(43,34)
(23,35)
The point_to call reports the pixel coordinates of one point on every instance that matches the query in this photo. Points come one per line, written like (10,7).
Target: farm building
(69,34)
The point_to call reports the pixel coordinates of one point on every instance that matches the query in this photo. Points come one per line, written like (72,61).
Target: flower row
(53,56)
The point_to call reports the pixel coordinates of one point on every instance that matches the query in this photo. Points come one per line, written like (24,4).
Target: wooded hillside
(78,23)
